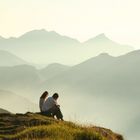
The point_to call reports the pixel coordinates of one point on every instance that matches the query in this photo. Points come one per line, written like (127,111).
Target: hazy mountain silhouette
(41,46)
(103,74)
(47,36)
(82,71)
(52,70)
(26,80)
(100,85)
(21,79)
(104,44)
(107,83)
(113,74)
(15,103)
(8,59)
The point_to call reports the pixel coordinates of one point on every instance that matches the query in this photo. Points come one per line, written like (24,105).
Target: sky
(80,19)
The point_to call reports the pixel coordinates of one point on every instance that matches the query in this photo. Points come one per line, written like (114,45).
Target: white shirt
(49,103)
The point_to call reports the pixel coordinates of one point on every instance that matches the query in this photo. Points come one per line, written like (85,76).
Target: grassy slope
(31,126)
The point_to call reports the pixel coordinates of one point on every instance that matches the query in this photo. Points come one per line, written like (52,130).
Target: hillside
(9,59)
(52,70)
(3,111)
(18,77)
(104,71)
(31,126)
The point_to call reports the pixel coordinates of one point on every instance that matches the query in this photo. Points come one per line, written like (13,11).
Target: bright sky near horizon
(80,19)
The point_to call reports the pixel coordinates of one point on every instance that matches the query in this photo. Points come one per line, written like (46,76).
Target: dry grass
(37,127)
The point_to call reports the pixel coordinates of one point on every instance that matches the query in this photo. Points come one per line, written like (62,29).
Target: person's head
(44,95)
(55,96)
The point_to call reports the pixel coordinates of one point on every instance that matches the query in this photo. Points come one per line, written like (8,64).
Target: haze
(81,19)
(97,78)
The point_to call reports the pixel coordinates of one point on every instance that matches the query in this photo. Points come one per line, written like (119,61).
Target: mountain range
(93,87)
(43,47)
(103,71)
(9,59)
(100,85)
(20,79)
(113,74)
(52,70)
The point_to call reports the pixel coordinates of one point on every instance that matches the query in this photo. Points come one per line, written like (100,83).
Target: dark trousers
(54,111)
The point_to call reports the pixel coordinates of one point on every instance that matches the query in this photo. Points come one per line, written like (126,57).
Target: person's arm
(56,103)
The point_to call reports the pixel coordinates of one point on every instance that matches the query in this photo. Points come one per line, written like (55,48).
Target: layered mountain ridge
(44,47)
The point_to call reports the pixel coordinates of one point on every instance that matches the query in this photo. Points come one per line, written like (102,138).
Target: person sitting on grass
(42,100)
(51,107)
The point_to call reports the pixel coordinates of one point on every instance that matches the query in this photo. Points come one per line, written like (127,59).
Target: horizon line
(63,35)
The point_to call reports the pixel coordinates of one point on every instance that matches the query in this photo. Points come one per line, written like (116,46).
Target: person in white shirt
(51,107)
(42,100)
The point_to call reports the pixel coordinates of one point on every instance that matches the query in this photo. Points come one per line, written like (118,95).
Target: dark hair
(55,95)
(44,95)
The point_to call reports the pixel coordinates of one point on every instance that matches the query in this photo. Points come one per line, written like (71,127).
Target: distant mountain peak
(135,52)
(104,54)
(56,65)
(98,38)
(43,31)
(9,59)
(32,32)
(43,34)
(101,35)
